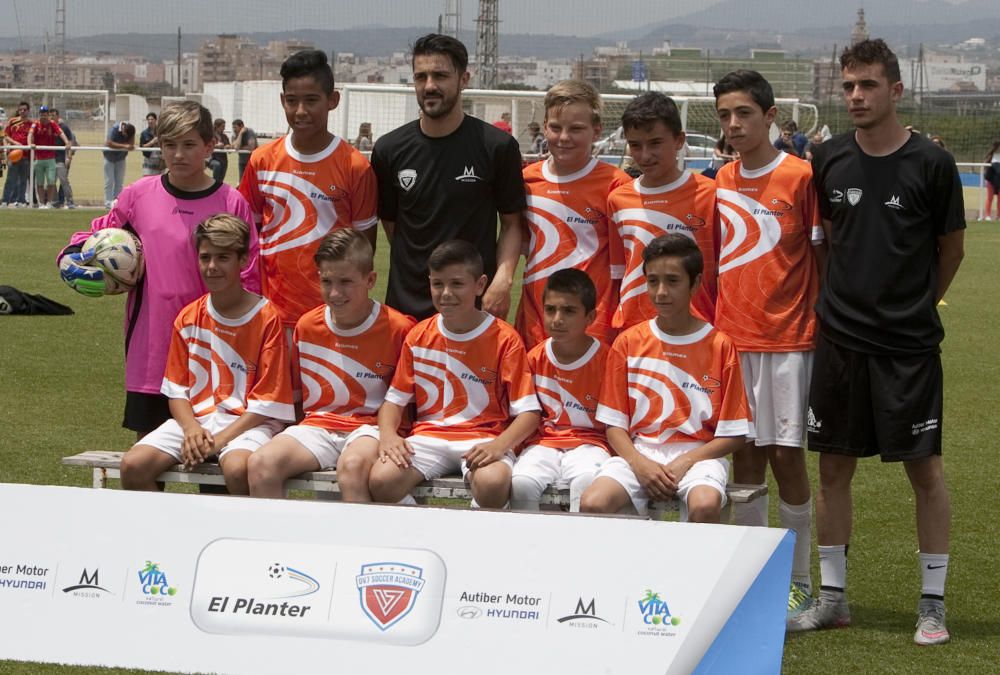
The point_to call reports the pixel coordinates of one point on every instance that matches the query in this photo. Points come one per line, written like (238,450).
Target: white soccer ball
(119,253)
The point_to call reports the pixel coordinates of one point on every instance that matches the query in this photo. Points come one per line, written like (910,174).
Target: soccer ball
(276,570)
(119,253)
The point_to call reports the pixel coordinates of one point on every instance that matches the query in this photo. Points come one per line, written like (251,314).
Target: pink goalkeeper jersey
(165,218)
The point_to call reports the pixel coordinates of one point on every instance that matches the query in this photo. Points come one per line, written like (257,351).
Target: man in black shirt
(892,206)
(446,176)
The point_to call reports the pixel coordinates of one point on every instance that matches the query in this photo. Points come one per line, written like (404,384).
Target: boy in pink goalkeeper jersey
(163,211)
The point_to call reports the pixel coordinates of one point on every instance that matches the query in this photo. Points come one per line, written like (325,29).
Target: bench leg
(100,478)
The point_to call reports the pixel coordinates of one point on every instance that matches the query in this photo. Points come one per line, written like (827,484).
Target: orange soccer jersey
(465,385)
(345,374)
(568,394)
(297,200)
(674,388)
(686,206)
(768,282)
(230,366)
(567,226)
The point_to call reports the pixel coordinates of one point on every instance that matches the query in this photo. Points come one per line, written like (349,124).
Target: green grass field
(61,392)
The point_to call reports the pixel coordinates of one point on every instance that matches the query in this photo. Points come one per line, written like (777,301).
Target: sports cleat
(930,623)
(799,600)
(830,610)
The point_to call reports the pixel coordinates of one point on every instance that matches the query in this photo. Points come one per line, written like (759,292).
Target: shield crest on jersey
(407,179)
(854,196)
(388,591)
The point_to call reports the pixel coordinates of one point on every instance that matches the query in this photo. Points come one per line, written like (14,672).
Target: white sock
(833,567)
(408,500)
(751,514)
(934,568)
(525,493)
(799,519)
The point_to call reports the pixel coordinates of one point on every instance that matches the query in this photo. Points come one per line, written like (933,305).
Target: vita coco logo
(656,616)
(154,586)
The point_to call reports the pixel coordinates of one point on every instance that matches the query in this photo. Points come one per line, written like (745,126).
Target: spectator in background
(219,163)
(817,140)
(992,178)
(121,139)
(45,132)
(722,154)
(786,141)
(938,141)
(539,146)
(65,195)
(364,141)
(16,133)
(244,140)
(151,159)
(503,124)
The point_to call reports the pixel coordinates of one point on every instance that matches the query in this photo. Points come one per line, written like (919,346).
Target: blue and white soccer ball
(119,253)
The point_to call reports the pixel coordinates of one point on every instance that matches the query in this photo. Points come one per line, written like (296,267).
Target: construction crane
(487,49)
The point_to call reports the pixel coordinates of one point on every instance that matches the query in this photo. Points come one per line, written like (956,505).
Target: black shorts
(145,412)
(863,404)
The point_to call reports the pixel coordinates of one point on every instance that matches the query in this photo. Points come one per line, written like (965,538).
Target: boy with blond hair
(344,354)
(227,371)
(163,211)
(467,374)
(566,224)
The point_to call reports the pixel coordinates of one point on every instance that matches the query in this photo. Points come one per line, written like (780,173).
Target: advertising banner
(195,583)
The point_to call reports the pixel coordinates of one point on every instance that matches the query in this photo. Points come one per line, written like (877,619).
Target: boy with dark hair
(663,199)
(570,445)
(467,373)
(163,211)
(15,188)
(343,355)
(566,224)
(672,432)
(892,206)
(304,185)
(226,375)
(768,282)
(447,176)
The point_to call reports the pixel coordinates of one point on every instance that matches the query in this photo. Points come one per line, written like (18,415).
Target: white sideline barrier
(196,583)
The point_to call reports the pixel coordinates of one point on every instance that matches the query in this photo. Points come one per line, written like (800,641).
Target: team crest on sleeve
(854,196)
(407,179)
(388,591)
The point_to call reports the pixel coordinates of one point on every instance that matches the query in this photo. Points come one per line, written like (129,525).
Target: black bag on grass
(13,301)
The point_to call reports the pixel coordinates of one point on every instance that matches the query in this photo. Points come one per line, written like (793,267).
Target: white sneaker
(829,610)
(930,623)
(45,206)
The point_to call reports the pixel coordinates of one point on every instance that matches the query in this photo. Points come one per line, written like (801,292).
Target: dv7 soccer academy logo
(388,591)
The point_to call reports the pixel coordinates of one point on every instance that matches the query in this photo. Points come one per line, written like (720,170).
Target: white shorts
(326,445)
(169,437)
(436,457)
(777,386)
(711,472)
(560,467)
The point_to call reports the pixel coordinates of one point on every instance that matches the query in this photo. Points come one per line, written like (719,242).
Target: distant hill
(370,41)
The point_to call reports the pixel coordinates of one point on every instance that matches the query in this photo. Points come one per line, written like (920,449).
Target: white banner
(199,583)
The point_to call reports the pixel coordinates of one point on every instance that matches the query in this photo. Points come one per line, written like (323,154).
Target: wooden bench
(105,465)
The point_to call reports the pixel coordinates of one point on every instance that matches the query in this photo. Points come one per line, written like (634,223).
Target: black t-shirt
(878,296)
(436,189)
